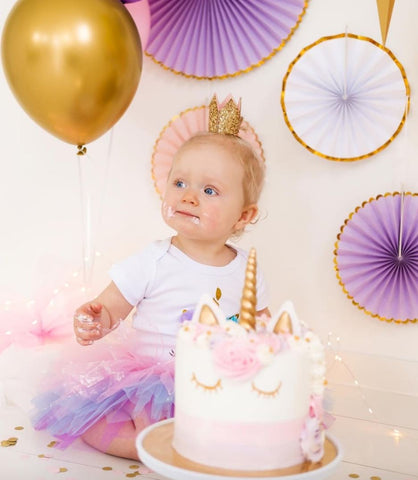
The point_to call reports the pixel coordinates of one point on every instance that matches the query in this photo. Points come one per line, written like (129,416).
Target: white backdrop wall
(306,199)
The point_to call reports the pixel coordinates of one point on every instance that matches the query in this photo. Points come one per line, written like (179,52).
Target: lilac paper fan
(376,257)
(218,38)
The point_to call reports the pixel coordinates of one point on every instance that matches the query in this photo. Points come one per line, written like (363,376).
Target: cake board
(154,446)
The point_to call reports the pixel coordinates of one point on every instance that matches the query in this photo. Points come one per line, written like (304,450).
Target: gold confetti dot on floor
(10,442)
(107,468)
(354,475)
(19,428)
(52,444)
(133,467)
(62,470)
(375,478)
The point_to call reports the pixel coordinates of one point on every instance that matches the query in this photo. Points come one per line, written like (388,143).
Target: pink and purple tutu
(110,379)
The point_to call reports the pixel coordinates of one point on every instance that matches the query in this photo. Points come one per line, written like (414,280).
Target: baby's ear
(247,216)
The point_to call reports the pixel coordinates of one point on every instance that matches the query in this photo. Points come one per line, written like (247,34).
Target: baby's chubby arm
(95,319)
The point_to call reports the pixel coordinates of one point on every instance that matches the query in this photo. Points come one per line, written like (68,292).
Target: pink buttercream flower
(236,358)
(312,439)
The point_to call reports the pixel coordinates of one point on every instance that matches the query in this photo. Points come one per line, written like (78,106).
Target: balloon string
(85,198)
(92,199)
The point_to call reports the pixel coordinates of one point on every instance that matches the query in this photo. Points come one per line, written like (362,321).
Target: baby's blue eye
(179,184)
(210,191)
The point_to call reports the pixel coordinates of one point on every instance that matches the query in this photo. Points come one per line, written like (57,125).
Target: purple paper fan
(218,38)
(376,257)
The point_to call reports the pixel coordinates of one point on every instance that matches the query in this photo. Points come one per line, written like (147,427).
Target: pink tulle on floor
(111,380)
(47,316)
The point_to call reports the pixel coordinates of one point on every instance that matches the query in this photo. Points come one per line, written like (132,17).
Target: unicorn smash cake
(248,395)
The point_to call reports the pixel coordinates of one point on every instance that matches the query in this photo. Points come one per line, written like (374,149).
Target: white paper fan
(345,97)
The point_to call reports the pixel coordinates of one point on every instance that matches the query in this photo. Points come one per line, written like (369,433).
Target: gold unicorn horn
(249,293)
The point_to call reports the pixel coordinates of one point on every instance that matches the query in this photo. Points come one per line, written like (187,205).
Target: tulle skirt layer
(110,381)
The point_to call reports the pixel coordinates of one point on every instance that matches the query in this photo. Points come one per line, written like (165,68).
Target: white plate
(155,451)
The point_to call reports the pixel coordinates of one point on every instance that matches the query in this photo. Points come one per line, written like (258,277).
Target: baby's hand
(91,322)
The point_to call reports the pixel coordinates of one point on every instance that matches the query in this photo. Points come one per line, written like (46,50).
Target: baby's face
(204,197)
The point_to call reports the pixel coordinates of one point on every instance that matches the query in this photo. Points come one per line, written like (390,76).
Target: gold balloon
(73,65)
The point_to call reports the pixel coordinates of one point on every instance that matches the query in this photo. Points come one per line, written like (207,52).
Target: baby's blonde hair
(253,165)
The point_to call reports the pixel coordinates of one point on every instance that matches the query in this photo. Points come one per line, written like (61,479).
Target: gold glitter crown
(224,118)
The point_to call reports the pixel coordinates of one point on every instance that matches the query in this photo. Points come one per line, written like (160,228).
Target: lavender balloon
(218,38)
(376,257)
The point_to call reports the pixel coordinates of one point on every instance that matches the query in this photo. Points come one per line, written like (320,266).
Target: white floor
(382,445)
(366,456)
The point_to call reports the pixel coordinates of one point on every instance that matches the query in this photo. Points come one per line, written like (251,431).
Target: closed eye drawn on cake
(212,388)
(265,393)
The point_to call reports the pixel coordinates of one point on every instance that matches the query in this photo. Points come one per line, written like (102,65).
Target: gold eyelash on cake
(210,388)
(264,393)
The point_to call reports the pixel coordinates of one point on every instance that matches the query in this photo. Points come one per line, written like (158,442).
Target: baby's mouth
(193,218)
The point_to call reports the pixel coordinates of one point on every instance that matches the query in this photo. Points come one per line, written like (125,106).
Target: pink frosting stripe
(243,446)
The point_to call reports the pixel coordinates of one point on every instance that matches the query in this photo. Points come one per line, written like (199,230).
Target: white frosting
(237,400)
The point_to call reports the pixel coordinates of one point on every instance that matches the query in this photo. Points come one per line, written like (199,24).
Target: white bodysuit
(162,283)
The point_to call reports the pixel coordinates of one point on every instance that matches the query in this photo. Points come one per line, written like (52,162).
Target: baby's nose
(190,196)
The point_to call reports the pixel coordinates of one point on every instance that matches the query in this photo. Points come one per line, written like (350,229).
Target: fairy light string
(334,349)
(337,357)
(10,306)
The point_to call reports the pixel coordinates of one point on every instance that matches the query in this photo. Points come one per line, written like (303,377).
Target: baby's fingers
(86,329)
(95,308)
(84,342)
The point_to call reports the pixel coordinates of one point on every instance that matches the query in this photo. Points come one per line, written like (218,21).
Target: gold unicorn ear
(249,294)
(283,324)
(207,316)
